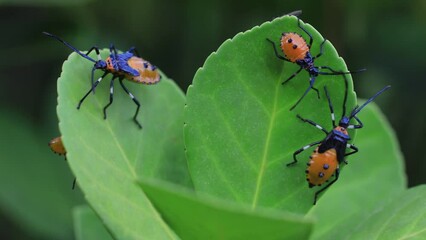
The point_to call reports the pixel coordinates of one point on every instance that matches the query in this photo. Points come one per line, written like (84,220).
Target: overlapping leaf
(88,226)
(373,177)
(108,155)
(203,217)
(239,132)
(403,218)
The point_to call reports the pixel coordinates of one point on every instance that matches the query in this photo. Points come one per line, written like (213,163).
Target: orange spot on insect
(294,46)
(317,172)
(148,74)
(57,146)
(341,129)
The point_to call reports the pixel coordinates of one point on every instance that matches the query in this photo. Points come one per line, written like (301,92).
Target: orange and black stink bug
(331,151)
(127,65)
(296,50)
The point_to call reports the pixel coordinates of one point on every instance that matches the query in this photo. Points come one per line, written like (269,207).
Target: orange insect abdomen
(321,167)
(294,46)
(57,146)
(146,73)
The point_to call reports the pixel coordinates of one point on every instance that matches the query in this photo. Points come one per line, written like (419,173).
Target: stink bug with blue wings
(128,65)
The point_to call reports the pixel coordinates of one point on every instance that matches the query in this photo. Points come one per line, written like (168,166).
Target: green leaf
(403,218)
(87,225)
(35,184)
(204,217)
(373,177)
(108,155)
(239,132)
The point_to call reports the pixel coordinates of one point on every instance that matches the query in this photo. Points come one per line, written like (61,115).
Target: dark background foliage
(384,36)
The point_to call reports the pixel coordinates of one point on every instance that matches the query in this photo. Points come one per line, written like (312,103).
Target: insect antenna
(69,45)
(358,109)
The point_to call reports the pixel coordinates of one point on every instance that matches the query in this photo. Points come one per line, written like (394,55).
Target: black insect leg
(330,106)
(96,50)
(311,86)
(328,185)
(311,40)
(93,87)
(113,50)
(134,100)
(276,52)
(73,183)
(301,150)
(134,51)
(356,126)
(321,50)
(313,124)
(111,96)
(334,72)
(353,147)
(292,76)
(94,68)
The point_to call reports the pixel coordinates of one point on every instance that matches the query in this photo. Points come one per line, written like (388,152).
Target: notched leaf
(239,132)
(107,155)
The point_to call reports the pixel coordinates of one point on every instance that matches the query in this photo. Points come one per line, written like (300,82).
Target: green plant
(238,135)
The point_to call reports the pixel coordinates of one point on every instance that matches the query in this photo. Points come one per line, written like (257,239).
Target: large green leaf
(88,226)
(203,217)
(108,155)
(373,177)
(35,184)
(239,132)
(403,218)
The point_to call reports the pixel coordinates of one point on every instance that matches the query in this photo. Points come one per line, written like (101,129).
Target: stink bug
(331,151)
(57,147)
(296,50)
(128,65)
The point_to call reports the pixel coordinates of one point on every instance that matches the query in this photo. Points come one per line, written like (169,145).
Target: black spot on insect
(320,174)
(290,40)
(306,171)
(309,164)
(294,46)
(310,157)
(325,166)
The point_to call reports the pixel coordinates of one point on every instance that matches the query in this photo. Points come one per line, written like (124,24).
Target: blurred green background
(386,37)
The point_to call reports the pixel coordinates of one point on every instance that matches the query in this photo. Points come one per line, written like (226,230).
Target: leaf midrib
(132,170)
(266,148)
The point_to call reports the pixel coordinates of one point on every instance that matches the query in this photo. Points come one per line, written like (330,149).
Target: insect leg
(111,96)
(134,100)
(321,50)
(312,123)
(113,50)
(311,40)
(360,125)
(93,87)
(134,51)
(276,52)
(301,150)
(334,72)
(311,86)
(330,106)
(96,50)
(353,147)
(328,185)
(292,76)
